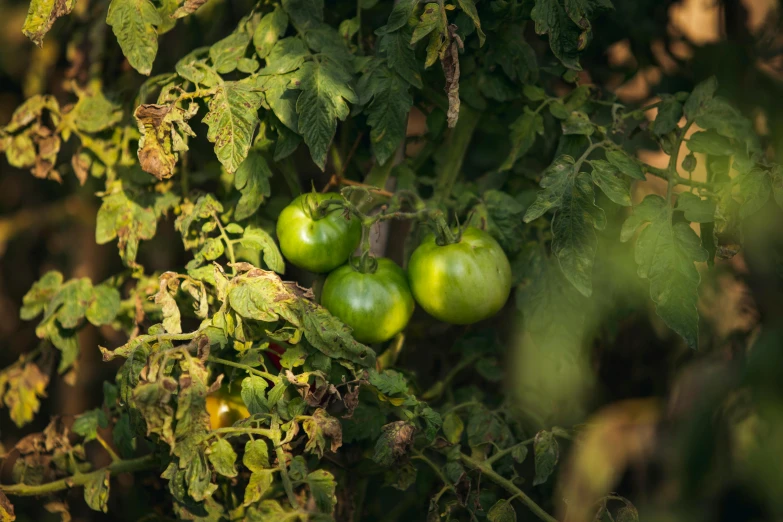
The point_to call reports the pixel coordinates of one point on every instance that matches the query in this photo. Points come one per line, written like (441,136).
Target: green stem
(455,147)
(291,176)
(80,479)
(587,152)
(227,241)
(422,457)
(248,369)
(243,431)
(502,453)
(437,389)
(673,176)
(508,486)
(287,485)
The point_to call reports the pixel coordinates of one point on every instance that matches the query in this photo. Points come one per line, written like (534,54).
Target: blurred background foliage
(688,436)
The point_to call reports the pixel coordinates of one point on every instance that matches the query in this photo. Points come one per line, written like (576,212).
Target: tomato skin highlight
(377,306)
(317,245)
(461,283)
(226,407)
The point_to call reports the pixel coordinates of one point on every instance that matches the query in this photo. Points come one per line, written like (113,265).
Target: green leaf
(503,216)
(665,254)
(698,99)
(94,113)
(226,53)
(547,454)
(400,57)
(257,238)
(669,114)
(256,456)
(755,187)
(576,218)
(502,511)
(564,35)
(616,189)
(696,210)
(87,424)
(133,23)
(523,135)
(252,180)
(429,20)
(718,114)
(287,55)
(41,16)
(105,307)
(432,422)
(469,8)
(389,382)
(322,488)
(39,295)
(387,115)
(401,13)
(304,14)
(222,456)
(625,164)
(260,481)
(366,423)
(519,454)
(171,317)
(324,39)
(453,427)
(232,120)
(325,91)
(293,357)
(578,122)
(271,27)
(96,491)
(710,142)
(196,70)
(253,394)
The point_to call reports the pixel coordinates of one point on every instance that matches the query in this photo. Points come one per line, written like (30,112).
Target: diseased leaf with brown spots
(26,385)
(163,129)
(42,15)
(189,7)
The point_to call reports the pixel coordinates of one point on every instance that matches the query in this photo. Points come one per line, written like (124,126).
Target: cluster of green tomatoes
(459,282)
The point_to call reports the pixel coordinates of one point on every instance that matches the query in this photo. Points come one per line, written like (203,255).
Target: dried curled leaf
(162,129)
(42,15)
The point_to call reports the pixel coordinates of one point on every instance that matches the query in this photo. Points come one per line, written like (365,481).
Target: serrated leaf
(400,57)
(432,422)
(669,114)
(399,16)
(259,239)
(564,35)
(394,442)
(253,394)
(322,488)
(696,210)
(710,142)
(222,457)
(754,189)
(87,424)
(523,134)
(325,91)
(39,295)
(133,23)
(304,14)
(293,357)
(25,386)
(271,27)
(123,218)
(387,114)
(96,491)
(625,164)
(547,454)
(389,382)
(226,53)
(616,189)
(502,511)
(665,254)
(429,20)
(260,481)
(232,120)
(195,69)
(252,180)
(41,16)
(286,55)
(256,456)
(701,94)
(469,8)
(504,219)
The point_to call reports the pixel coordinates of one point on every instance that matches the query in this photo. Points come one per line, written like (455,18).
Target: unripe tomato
(317,245)
(375,305)
(463,282)
(226,407)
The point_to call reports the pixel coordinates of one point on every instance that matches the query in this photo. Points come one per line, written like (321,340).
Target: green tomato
(377,305)
(460,283)
(317,245)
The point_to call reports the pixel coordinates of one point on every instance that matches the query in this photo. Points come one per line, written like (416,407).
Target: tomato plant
(376,305)
(594,258)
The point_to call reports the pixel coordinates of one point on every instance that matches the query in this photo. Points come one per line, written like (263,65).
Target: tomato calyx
(444,235)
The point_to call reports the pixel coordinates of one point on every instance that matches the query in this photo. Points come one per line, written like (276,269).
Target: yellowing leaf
(42,15)
(133,23)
